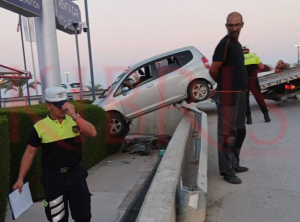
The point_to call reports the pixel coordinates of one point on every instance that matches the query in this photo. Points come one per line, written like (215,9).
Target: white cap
(246,47)
(56,94)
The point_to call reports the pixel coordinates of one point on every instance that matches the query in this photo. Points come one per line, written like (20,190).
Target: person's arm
(85,127)
(261,66)
(214,70)
(218,59)
(277,70)
(25,166)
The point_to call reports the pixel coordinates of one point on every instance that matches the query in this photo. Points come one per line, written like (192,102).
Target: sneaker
(267,117)
(249,120)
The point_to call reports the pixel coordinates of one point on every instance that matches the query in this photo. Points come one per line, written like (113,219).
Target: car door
(143,95)
(173,78)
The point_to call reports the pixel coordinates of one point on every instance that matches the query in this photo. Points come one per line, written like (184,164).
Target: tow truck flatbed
(281,86)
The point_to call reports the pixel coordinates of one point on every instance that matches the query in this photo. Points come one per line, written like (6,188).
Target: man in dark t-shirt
(229,71)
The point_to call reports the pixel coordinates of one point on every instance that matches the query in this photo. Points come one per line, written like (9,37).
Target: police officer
(253,63)
(63,178)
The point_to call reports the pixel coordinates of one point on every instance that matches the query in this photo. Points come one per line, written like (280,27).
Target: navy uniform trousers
(66,190)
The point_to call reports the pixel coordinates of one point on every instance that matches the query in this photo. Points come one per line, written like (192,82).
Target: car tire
(116,125)
(198,91)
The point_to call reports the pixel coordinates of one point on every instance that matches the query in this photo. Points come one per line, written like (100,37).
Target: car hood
(98,101)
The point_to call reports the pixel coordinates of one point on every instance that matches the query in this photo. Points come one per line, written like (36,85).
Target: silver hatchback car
(154,83)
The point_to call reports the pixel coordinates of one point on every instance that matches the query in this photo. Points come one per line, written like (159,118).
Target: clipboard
(19,203)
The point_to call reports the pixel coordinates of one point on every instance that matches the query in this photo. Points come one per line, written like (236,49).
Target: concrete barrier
(162,200)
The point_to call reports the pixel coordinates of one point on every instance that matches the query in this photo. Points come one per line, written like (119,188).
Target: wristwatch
(76,117)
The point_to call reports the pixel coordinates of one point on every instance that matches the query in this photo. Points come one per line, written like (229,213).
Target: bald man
(229,71)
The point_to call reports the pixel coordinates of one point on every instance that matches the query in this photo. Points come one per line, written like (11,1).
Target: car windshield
(75,85)
(110,88)
(119,78)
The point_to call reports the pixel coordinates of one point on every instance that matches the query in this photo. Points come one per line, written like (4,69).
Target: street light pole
(298,52)
(1,82)
(75,25)
(90,47)
(67,73)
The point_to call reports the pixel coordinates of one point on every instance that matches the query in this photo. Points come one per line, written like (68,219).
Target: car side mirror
(125,89)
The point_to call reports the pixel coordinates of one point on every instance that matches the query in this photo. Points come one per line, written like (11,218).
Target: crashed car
(154,83)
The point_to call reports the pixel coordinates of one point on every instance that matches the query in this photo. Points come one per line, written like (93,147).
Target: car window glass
(184,57)
(75,85)
(136,78)
(139,77)
(167,65)
(64,86)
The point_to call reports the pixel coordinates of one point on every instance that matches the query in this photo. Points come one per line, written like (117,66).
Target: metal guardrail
(161,201)
(86,95)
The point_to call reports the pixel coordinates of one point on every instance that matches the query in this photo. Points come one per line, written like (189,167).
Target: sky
(124,32)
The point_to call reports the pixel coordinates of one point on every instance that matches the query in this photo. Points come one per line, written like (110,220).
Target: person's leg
(248,109)
(256,91)
(226,132)
(241,130)
(56,204)
(79,197)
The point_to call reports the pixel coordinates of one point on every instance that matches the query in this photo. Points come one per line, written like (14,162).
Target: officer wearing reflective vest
(63,178)
(253,63)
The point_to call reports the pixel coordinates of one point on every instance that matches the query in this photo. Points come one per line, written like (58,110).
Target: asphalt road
(270,190)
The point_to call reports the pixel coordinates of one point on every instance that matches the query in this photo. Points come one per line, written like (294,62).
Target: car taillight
(74,90)
(205,62)
(290,87)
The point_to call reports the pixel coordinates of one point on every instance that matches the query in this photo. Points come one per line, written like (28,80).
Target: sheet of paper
(20,202)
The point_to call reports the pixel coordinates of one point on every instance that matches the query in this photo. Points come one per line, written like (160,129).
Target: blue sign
(28,8)
(67,13)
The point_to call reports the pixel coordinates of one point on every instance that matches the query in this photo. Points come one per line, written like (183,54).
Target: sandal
(233,179)
(241,169)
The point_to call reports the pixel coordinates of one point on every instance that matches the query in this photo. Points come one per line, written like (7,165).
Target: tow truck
(281,86)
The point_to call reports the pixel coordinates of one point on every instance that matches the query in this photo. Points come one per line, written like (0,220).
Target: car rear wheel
(198,91)
(117,124)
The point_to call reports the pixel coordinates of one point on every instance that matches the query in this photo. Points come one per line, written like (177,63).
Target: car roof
(191,48)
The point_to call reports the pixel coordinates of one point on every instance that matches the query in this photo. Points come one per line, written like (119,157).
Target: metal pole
(90,47)
(0,97)
(27,86)
(298,54)
(75,25)
(33,63)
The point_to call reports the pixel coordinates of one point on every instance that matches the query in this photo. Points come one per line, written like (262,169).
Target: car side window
(135,79)
(184,57)
(64,86)
(139,77)
(167,65)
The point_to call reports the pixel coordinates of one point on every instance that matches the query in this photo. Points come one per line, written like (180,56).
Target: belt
(64,169)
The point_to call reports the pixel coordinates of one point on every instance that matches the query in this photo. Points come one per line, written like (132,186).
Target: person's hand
(18,185)
(212,94)
(70,109)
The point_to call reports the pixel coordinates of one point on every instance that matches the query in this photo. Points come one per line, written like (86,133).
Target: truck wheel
(117,124)
(198,91)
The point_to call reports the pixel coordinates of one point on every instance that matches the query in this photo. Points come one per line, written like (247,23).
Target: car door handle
(182,71)
(150,85)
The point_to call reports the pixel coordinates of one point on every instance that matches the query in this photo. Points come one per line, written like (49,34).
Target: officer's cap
(246,47)
(56,95)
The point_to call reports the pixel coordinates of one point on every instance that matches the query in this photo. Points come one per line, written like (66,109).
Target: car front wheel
(198,91)
(117,124)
